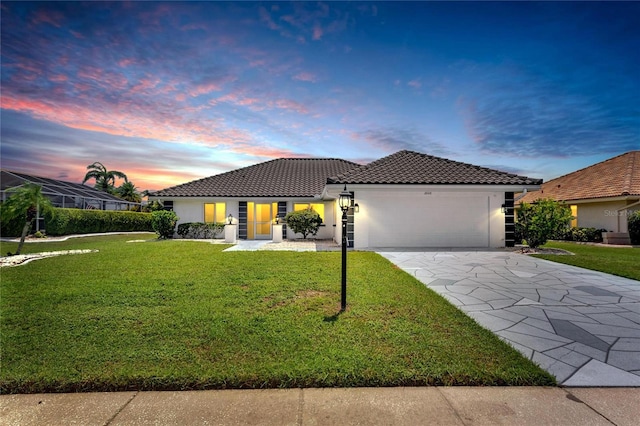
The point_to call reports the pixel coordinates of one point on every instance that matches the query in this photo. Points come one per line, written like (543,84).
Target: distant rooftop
(62,193)
(616,177)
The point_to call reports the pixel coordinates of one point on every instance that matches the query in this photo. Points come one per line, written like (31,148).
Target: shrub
(580,234)
(164,223)
(634,227)
(76,221)
(304,222)
(540,221)
(10,226)
(200,230)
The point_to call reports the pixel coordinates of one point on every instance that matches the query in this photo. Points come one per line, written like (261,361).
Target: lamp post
(345,202)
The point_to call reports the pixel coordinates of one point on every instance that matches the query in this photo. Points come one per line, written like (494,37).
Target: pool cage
(64,194)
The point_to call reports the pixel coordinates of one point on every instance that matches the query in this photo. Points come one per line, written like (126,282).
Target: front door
(259,218)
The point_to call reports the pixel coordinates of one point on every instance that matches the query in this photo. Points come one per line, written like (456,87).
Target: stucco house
(601,196)
(407,199)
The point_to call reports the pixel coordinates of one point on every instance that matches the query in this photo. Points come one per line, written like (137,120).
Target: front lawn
(184,315)
(613,260)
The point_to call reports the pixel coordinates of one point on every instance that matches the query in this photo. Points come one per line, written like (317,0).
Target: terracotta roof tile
(408,167)
(284,177)
(615,177)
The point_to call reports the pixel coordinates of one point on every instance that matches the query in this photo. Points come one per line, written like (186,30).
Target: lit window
(317,207)
(214,212)
(574,213)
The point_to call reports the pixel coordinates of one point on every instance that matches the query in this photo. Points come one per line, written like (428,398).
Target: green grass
(173,315)
(613,260)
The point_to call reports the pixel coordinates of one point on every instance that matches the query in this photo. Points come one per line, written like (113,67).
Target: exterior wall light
(504,209)
(356,208)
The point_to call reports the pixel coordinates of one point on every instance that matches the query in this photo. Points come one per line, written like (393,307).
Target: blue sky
(168,92)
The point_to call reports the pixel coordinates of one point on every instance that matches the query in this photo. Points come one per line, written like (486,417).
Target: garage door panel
(429,222)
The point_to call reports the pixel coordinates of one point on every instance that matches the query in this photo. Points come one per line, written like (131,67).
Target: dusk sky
(169,92)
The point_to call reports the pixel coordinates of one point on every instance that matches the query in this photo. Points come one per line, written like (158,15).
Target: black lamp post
(345,202)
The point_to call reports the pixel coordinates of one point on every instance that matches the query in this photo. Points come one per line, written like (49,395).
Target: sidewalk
(367,406)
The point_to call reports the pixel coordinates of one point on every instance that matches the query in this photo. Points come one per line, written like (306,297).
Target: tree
(540,221)
(128,191)
(105,179)
(26,201)
(304,222)
(634,227)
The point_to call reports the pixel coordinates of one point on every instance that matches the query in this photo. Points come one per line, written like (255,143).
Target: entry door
(259,217)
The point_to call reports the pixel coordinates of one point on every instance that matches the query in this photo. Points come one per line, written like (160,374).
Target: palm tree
(105,179)
(128,191)
(27,201)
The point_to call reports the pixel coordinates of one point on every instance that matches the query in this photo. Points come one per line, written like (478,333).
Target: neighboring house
(601,196)
(406,199)
(64,194)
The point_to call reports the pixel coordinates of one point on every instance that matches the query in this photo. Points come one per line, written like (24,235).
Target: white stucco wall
(604,215)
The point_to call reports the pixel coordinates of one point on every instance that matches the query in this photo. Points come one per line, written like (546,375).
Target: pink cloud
(58,78)
(52,17)
(415,83)
(317,32)
(306,76)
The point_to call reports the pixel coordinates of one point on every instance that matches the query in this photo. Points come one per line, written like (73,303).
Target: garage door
(429,221)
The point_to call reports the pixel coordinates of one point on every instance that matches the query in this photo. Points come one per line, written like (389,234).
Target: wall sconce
(356,208)
(230,219)
(504,209)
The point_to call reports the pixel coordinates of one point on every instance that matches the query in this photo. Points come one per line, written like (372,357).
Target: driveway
(580,325)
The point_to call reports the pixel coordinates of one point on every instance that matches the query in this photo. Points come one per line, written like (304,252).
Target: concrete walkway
(353,406)
(580,325)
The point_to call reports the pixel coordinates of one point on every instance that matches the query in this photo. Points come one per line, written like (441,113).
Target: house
(406,199)
(600,196)
(62,193)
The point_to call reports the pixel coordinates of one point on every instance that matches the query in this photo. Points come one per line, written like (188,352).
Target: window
(318,207)
(574,213)
(215,212)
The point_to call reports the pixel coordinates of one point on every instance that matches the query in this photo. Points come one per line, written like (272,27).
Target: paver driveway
(582,326)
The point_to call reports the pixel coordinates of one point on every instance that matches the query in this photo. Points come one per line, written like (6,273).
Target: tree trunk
(25,231)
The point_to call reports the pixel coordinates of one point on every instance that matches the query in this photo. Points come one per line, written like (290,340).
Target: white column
(277,233)
(230,232)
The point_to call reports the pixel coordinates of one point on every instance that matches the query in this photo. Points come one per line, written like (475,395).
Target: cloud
(306,76)
(557,110)
(395,139)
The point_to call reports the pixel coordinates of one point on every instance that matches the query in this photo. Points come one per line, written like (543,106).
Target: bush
(580,234)
(200,230)
(76,221)
(540,221)
(10,227)
(164,223)
(304,222)
(634,227)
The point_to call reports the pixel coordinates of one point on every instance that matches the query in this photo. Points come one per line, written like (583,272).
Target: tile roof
(284,177)
(615,177)
(408,167)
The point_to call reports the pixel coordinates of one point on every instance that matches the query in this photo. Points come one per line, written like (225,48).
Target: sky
(169,92)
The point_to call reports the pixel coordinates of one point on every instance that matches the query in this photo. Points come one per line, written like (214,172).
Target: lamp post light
(345,202)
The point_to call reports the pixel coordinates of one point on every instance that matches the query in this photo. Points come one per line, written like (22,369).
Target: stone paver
(582,326)
(285,245)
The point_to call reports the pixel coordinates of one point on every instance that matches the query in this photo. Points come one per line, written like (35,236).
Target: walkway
(580,325)
(457,405)
(285,245)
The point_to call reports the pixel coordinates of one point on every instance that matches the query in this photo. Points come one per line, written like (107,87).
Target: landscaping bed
(176,315)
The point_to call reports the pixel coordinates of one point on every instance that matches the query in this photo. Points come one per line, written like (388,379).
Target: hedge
(199,230)
(77,221)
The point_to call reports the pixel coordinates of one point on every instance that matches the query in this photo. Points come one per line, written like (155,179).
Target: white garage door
(429,221)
